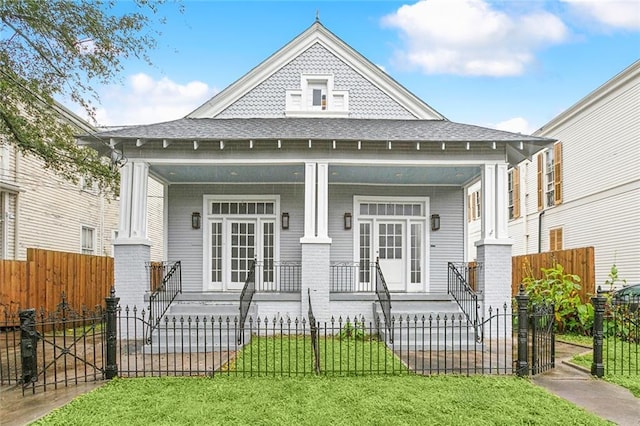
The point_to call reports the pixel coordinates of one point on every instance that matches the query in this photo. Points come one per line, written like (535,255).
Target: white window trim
(549,185)
(94,242)
(303,93)
(207,285)
(425,247)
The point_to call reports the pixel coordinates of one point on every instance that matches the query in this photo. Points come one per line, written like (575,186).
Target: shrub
(561,289)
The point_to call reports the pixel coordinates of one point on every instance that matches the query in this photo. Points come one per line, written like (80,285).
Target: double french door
(235,243)
(393,233)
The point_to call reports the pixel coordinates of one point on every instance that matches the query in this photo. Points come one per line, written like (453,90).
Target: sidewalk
(18,410)
(604,399)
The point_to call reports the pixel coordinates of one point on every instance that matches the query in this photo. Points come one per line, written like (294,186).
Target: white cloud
(144,100)
(623,14)
(515,125)
(469,37)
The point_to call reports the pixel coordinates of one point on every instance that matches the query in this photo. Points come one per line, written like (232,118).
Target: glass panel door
(391,253)
(243,251)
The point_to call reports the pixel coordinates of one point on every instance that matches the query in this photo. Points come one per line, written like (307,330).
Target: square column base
(315,280)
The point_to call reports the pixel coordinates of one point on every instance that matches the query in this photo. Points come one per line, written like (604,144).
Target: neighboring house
(40,209)
(316,163)
(585,190)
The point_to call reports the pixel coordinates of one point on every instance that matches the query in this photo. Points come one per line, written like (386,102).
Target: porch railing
(283,277)
(382,291)
(246,296)
(458,286)
(352,277)
(165,293)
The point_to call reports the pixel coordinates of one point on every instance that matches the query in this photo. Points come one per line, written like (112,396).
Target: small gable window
(317,97)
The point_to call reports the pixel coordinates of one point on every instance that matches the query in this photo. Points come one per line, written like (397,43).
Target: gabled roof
(317,33)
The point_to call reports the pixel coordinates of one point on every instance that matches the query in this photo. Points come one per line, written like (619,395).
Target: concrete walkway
(576,385)
(18,410)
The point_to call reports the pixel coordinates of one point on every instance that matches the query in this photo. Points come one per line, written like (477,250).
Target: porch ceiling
(294,173)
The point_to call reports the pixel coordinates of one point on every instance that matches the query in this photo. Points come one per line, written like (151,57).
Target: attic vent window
(317,97)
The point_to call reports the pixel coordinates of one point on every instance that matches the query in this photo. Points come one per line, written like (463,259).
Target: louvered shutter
(540,181)
(516,192)
(557,173)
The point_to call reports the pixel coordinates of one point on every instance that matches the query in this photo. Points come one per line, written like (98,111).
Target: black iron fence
(616,335)
(51,349)
(384,298)
(65,348)
(536,336)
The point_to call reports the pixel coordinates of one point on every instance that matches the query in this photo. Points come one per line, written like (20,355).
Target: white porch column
(309,201)
(132,246)
(494,247)
(323,201)
(316,244)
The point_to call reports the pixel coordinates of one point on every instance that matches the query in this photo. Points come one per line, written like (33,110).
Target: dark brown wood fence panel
(40,281)
(579,261)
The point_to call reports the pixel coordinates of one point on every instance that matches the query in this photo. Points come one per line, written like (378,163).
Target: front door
(392,229)
(390,251)
(242,251)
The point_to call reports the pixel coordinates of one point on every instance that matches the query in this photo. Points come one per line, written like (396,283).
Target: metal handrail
(164,295)
(352,277)
(246,297)
(313,325)
(278,276)
(382,291)
(458,286)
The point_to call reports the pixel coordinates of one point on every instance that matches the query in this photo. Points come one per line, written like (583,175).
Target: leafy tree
(62,49)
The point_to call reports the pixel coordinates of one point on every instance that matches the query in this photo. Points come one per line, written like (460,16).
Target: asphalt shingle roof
(318,129)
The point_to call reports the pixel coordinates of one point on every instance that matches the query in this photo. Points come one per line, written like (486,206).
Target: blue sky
(512,65)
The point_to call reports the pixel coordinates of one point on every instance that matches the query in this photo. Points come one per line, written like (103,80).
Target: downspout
(540,231)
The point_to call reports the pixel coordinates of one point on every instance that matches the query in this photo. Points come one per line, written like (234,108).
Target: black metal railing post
(522,298)
(28,346)
(382,291)
(111,368)
(599,302)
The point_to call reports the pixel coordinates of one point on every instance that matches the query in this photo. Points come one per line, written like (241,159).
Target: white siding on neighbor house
(268,98)
(185,243)
(51,212)
(600,181)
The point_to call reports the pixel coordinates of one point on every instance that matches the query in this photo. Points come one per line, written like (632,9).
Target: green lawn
(293,356)
(622,364)
(380,400)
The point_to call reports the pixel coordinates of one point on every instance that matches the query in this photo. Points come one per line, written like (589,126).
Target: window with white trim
(550,177)
(474,206)
(316,97)
(88,240)
(514,193)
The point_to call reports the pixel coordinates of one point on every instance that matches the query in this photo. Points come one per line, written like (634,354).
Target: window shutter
(540,182)
(516,192)
(557,173)
(559,239)
(469,201)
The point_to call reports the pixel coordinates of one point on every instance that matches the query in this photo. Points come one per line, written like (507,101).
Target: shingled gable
(319,41)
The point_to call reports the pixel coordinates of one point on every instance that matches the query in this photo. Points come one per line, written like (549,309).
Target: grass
(293,356)
(622,363)
(575,339)
(318,400)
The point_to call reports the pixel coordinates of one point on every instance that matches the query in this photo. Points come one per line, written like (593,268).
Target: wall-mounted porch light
(285,220)
(435,222)
(348,220)
(195,220)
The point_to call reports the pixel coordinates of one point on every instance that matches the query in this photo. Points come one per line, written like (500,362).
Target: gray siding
(268,98)
(185,243)
(447,244)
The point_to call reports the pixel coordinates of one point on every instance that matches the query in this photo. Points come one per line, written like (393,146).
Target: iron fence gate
(54,349)
(542,338)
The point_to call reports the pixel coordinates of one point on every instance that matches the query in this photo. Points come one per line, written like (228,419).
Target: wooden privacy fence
(579,261)
(39,281)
